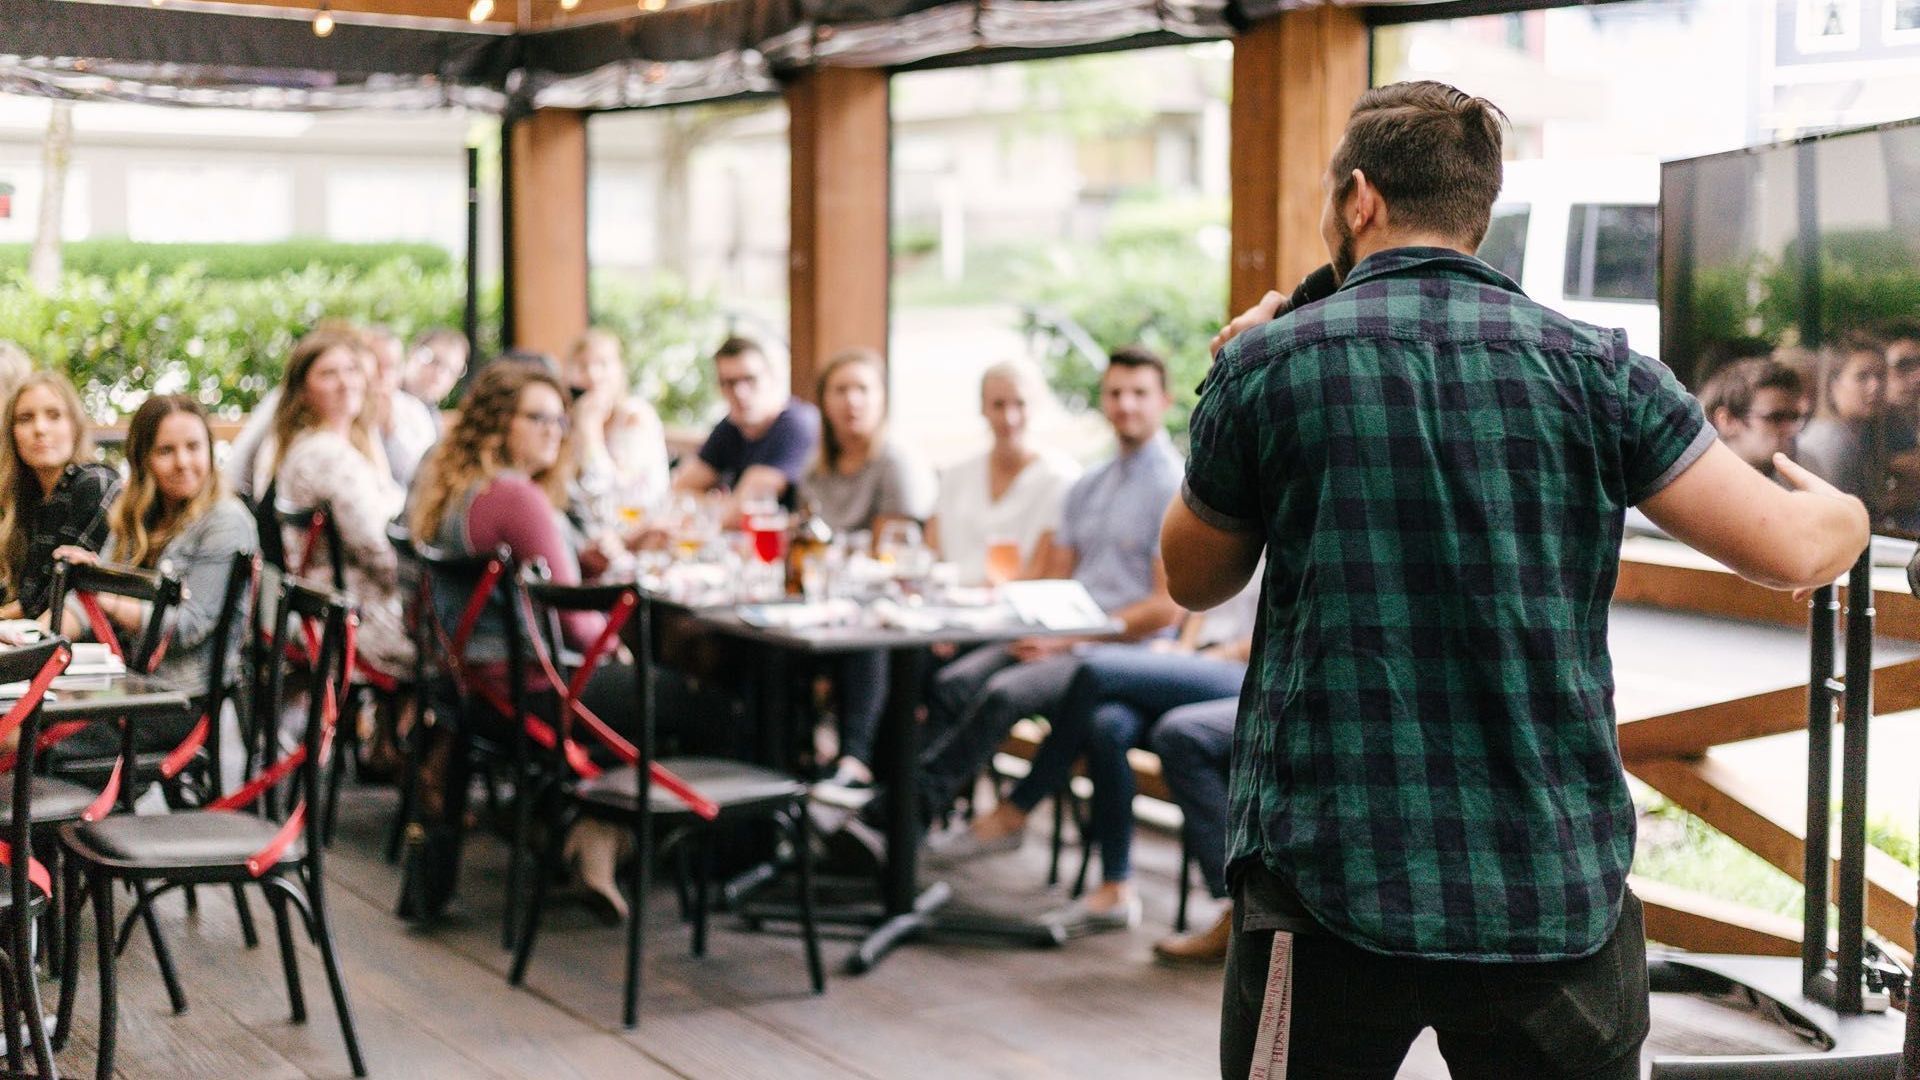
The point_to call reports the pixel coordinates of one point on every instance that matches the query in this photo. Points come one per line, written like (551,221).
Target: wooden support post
(838,265)
(1295,78)
(547,229)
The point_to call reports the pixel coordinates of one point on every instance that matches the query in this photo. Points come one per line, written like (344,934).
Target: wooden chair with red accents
(267,833)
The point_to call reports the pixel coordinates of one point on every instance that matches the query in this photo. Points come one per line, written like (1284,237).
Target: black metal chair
(240,838)
(456,592)
(418,613)
(320,543)
(29,885)
(695,795)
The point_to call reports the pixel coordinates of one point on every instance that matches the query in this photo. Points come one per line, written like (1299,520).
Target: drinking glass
(1003,560)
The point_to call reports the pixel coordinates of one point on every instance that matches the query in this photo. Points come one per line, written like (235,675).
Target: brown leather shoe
(1205,948)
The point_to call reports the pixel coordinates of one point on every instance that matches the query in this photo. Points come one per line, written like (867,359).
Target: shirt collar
(1394,261)
(1160,441)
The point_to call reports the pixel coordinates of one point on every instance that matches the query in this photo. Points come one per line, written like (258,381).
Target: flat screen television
(1806,253)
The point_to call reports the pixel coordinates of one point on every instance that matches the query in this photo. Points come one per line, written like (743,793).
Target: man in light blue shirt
(1109,542)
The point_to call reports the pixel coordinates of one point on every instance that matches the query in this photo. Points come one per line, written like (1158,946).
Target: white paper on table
(1059,605)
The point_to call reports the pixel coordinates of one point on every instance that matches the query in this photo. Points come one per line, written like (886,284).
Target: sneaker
(1203,948)
(961,845)
(846,789)
(1079,919)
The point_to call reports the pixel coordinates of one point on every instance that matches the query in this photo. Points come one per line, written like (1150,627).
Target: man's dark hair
(1139,356)
(1734,387)
(738,346)
(1432,151)
(1724,351)
(1894,330)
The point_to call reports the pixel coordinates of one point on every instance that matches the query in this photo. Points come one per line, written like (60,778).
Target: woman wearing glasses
(500,478)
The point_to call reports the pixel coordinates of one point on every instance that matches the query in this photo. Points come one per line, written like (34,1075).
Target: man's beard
(1343,256)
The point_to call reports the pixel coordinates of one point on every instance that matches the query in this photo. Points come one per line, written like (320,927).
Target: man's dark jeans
(1356,1013)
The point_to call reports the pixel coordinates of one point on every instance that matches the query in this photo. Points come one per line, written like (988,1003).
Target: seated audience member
(15,366)
(1757,406)
(500,477)
(1109,542)
(1010,494)
(324,449)
(1843,443)
(862,481)
(620,448)
(53,494)
(762,447)
(435,365)
(407,427)
(1115,700)
(1903,384)
(173,513)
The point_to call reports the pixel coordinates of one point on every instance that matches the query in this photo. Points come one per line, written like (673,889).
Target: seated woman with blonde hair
(324,449)
(53,494)
(173,514)
(619,446)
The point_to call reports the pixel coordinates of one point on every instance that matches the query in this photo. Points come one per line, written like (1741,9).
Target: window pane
(1625,249)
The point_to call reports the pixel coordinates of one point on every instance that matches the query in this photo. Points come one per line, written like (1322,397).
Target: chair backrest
(457,591)
(327,616)
(243,573)
(36,665)
(545,601)
(159,589)
(320,538)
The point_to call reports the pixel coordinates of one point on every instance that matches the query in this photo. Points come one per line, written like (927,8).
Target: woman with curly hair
(53,494)
(500,477)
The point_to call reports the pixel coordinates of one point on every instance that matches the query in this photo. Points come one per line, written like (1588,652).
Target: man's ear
(1364,208)
(1721,417)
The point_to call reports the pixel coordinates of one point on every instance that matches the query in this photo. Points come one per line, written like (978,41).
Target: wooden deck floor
(437,1005)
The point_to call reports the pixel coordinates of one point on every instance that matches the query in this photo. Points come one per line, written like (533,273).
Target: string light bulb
(480,11)
(569,5)
(323,20)
(653,5)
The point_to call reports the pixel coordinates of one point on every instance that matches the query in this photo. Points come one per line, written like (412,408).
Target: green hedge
(229,262)
(141,331)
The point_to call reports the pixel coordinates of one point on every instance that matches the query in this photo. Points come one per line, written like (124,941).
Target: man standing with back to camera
(1429,824)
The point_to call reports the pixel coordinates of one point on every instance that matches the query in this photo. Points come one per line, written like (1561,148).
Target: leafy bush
(668,334)
(229,262)
(1170,298)
(142,331)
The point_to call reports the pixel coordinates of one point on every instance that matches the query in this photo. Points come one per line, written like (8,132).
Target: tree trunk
(43,265)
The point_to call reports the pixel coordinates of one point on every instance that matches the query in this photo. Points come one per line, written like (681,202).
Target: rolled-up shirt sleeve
(1663,429)
(1221,486)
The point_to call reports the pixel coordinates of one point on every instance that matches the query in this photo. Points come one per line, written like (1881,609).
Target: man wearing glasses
(1758,406)
(766,440)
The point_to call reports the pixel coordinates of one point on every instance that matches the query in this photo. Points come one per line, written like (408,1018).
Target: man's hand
(1802,479)
(1270,307)
(1028,650)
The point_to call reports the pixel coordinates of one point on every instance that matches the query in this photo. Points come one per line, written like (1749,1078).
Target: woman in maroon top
(500,478)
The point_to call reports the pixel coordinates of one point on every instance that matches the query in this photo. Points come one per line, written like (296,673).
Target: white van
(1583,238)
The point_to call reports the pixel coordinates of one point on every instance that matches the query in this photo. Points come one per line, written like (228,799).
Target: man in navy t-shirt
(765,442)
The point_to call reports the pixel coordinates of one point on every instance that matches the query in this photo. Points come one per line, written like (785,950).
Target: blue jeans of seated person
(860,682)
(1115,697)
(1195,744)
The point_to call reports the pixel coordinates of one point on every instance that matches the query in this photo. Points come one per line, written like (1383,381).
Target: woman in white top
(325,449)
(1012,493)
(620,446)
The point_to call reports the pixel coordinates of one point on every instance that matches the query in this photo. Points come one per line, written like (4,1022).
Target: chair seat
(198,838)
(54,800)
(731,785)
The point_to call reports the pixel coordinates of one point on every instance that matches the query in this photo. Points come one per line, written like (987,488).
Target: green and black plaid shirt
(1425,748)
